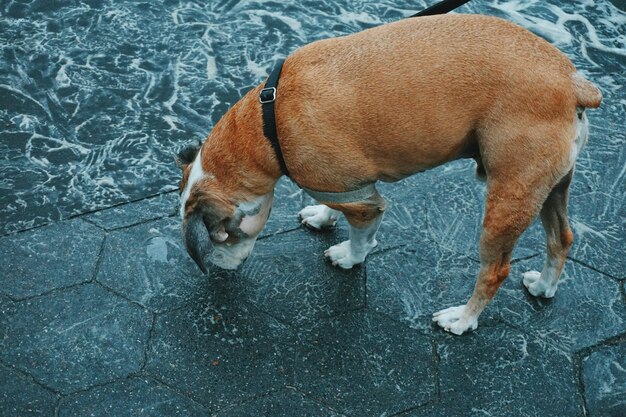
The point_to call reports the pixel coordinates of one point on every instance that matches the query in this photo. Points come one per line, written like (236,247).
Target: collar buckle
(267,95)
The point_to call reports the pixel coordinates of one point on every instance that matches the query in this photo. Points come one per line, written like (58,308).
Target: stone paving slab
(75,338)
(598,221)
(364,364)
(132,397)
(504,372)
(221,352)
(588,307)
(148,264)
(411,283)
(288,277)
(126,215)
(20,396)
(285,403)
(605,381)
(50,257)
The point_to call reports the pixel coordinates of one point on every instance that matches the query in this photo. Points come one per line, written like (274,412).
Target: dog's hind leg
(364,219)
(509,212)
(559,239)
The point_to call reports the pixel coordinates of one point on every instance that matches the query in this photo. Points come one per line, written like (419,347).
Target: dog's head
(216,223)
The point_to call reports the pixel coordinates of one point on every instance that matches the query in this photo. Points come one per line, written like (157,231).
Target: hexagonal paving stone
(503,372)
(133,397)
(49,257)
(149,264)
(137,212)
(605,381)
(404,219)
(22,397)
(456,208)
(600,165)
(598,221)
(285,403)
(365,364)
(221,351)
(75,338)
(288,277)
(288,201)
(587,308)
(411,283)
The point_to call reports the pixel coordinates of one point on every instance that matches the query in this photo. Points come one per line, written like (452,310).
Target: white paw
(318,217)
(341,255)
(455,320)
(536,286)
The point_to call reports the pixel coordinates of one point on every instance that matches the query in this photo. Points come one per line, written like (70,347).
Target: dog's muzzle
(200,247)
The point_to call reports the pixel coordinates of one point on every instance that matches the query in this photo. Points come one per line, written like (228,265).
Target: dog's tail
(587,94)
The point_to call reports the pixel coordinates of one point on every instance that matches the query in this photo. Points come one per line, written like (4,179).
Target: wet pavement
(103,313)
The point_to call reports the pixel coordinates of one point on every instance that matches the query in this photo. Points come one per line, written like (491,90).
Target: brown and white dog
(386,103)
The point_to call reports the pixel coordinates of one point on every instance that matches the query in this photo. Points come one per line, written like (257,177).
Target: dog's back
(419,92)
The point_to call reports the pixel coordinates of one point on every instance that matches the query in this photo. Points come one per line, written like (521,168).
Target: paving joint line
(29,377)
(279,233)
(154,378)
(149,342)
(49,292)
(291,326)
(120,295)
(99,257)
(416,407)
(96,386)
(577,360)
(138,223)
(78,215)
(437,360)
(586,265)
(57,407)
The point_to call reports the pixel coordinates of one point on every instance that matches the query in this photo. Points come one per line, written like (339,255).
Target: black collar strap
(267,97)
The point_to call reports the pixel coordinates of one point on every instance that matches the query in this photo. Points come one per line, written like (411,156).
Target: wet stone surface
(132,397)
(286,403)
(76,338)
(288,201)
(125,215)
(96,98)
(502,372)
(20,396)
(587,308)
(288,277)
(598,221)
(148,263)
(605,381)
(365,364)
(413,282)
(50,257)
(221,352)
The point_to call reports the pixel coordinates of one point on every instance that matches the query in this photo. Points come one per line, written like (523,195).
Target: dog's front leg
(364,219)
(318,217)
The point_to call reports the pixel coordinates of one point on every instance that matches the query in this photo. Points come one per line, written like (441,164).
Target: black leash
(267,96)
(442,7)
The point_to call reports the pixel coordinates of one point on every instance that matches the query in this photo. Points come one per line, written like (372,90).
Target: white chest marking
(195,175)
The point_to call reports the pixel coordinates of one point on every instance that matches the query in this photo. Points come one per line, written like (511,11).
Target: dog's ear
(187,155)
(196,237)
